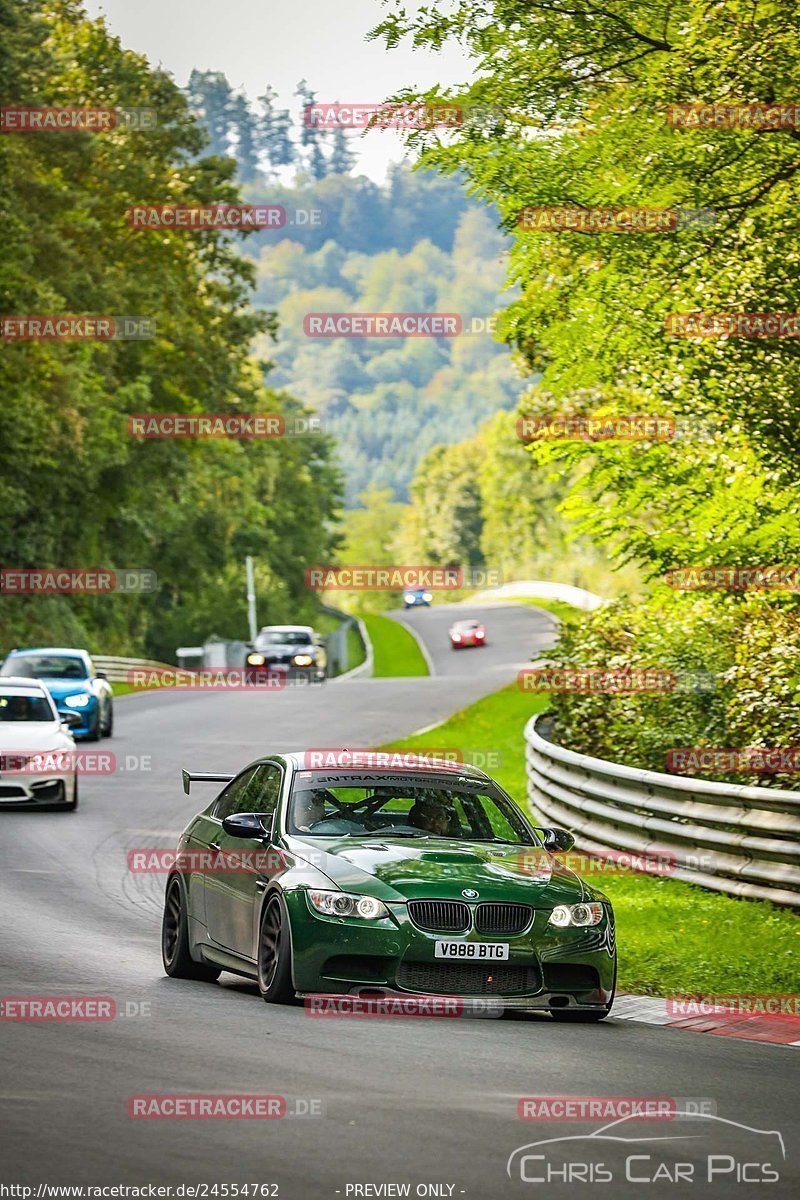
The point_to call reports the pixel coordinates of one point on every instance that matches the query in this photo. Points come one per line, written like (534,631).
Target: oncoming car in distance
(294,651)
(467,633)
(83,696)
(417,598)
(37,753)
(425,880)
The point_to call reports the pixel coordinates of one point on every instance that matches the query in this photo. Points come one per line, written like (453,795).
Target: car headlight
(303,660)
(576,914)
(343,904)
(427,597)
(255,660)
(409,597)
(79,701)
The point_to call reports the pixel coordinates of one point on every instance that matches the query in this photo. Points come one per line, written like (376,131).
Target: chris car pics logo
(691,1147)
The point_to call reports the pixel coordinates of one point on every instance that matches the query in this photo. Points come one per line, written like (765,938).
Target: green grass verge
(672,937)
(356,652)
(122,689)
(395,650)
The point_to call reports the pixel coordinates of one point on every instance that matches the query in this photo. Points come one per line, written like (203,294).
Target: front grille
(502,918)
(7,791)
(446,916)
(468,979)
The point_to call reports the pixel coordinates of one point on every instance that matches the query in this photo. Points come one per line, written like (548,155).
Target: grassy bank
(395,650)
(672,937)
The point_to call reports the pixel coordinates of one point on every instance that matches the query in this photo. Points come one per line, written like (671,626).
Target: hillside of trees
(415,243)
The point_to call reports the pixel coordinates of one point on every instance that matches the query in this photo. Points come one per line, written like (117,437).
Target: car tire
(95,732)
(178,962)
(109,729)
(73,803)
(275,953)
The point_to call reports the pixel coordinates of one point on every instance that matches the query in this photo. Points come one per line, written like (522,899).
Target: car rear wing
(190,777)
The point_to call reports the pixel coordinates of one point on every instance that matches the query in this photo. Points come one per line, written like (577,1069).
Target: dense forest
(75,490)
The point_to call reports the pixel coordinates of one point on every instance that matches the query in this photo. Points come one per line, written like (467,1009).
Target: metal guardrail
(744,841)
(116,669)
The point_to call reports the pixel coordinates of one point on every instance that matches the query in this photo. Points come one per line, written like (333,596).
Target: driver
(309,808)
(431,812)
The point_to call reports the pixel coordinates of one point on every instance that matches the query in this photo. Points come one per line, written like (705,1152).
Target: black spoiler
(190,777)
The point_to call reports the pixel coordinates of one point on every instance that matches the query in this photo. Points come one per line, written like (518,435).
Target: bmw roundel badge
(470,893)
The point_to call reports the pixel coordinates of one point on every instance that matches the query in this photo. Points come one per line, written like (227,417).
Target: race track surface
(406,1101)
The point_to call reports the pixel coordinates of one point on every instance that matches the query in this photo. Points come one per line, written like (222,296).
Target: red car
(467,633)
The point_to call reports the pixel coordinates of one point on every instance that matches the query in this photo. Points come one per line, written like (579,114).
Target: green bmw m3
(377,879)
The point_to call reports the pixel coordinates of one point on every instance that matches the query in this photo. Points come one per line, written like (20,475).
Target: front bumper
(32,791)
(546,968)
(88,717)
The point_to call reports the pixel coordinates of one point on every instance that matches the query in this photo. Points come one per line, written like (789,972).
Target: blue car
(82,695)
(417,598)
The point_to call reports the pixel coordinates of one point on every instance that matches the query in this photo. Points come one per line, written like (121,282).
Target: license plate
(482,950)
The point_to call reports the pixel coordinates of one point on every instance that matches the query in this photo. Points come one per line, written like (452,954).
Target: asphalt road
(419,1102)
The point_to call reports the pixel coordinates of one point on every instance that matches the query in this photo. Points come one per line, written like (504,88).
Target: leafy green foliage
(75,489)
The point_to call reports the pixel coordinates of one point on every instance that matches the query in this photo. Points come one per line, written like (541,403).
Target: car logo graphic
(470,893)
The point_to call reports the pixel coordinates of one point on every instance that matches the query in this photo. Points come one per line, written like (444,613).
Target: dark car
(83,696)
(294,651)
(426,879)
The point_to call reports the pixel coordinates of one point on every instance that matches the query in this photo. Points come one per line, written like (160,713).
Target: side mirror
(557,840)
(244,825)
(100,675)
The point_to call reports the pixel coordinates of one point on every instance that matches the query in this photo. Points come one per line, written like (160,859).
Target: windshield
(15,707)
(332,806)
(45,666)
(283,637)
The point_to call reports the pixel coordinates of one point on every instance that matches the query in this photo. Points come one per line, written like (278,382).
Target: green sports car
(351,880)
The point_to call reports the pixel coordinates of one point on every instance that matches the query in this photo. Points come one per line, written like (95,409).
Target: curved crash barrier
(744,841)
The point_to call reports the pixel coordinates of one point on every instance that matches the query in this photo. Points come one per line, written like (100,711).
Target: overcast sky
(260,42)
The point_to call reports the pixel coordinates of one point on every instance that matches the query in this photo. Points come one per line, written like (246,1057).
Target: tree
(274,125)
(310,137)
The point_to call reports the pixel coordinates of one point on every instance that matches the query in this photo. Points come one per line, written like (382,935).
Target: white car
(38,762)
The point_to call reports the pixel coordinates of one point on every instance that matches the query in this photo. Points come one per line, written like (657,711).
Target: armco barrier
(744,841)
(116,669)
